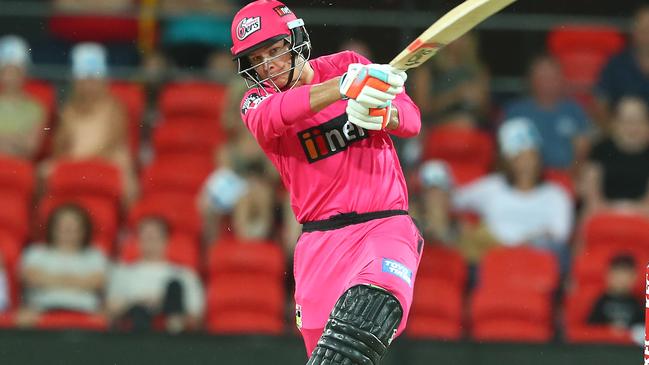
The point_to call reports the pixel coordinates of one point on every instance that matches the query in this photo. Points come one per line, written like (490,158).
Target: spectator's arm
(597,315)
(562,218)
(61,142)
(581,146)
(591,186)
(194,297)
(119,136)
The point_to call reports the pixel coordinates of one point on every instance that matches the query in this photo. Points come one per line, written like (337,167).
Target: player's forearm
(406,119)
(324,94)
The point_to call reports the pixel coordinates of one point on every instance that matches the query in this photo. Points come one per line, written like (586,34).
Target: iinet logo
(330,138)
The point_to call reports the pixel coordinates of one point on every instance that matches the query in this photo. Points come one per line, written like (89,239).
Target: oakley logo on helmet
(282,10)
(247,26)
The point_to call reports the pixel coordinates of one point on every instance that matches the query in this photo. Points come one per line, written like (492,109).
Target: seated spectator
(4,288)
(618,307)
(93,123)
(562,123)
(437,222)
(517,206)
(66,272)
(152,286)
(617,173)
(22,118)
(626,73)
(454,79)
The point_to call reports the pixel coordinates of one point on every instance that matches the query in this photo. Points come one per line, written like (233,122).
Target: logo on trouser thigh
(397,269)
(298,316)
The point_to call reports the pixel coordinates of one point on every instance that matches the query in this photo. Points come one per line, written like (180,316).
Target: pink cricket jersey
(328,165)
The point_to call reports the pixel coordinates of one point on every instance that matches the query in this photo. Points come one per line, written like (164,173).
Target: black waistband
(347,219)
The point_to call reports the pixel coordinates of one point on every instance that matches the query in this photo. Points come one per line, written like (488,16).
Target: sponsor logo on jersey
(282,10)
(247,26)
(330,138)
(298,316)
(397,269)
(251,101)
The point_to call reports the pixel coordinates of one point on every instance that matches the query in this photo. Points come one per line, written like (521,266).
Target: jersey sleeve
(269,116)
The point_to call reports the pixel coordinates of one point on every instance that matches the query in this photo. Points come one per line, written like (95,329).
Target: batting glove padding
(371,85)
(374,119)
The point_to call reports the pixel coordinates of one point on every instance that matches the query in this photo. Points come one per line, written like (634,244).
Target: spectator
(93,123)
(437,221)
(4,288)
(618,307)
(65,273)
(152,285)
(358,46)
(517,206)
(617,174)
(195,30)
(626,73)
(454,79)
(562,123)
(22,118)
(93,6)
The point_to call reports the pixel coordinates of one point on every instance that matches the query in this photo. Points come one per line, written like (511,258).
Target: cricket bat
(448,28)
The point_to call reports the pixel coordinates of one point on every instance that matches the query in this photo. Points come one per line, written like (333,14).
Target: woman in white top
(65,273)
(517,206)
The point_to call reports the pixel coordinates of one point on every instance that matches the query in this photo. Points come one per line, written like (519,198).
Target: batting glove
(374,119)
(372,85)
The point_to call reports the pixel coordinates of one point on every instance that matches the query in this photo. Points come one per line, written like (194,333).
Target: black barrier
(72,348)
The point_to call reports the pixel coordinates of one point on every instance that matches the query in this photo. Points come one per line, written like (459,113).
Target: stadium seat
(193,99)
(132,97)
(16,177)
(14,216)
(94,28)
(513,301)
(237,256)
(245,304)
(577,308)
(443,263)
(469,152)
(561,178)
(103,214)
(437,309)
(181,250)
(614,228)
(175,176)
(176,139)
(9,259)
(96,178)
(178,210)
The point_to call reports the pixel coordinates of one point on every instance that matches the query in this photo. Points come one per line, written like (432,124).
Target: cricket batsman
(325,124)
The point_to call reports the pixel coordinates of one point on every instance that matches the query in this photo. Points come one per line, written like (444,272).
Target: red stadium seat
(193,99)
(72,320)
(514,299)
(174,139)
(103,214)
(16,177)
(520,268)
(132,97)
(96,178)
(578,306)
(443,263)
(263,257)
(94,28)
(469,152)
(239,303)
(14,216)
(561,178)
(614,228)
(437,309)
(9,259)
(179,211)
(175,176)
(181,250)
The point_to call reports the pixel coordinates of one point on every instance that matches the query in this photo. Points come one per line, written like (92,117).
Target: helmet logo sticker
(247,26)
(282,10)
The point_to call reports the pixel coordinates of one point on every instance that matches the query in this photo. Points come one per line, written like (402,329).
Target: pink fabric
(327,263)
(327,172)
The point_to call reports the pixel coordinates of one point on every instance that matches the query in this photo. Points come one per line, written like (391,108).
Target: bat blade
(448,28)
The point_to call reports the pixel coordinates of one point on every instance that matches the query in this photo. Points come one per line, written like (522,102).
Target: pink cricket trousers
(384,252)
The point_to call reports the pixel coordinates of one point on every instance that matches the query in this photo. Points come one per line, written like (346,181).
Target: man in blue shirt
(626,73)
(561,122)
